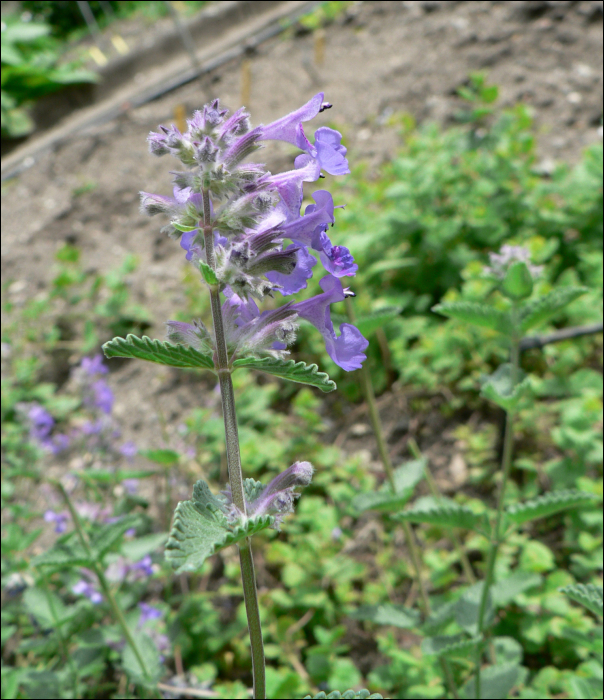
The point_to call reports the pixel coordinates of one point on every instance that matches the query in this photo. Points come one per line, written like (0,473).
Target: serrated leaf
(477,314)
(388,614)
(496,682)
(406,478)
(37,603)
(539,310)
(63,556)
(444,513)
(335,694)
(439,618)
(549,503)
(505,590)
(288,369)
(501,390)
(158,351)
(105,536)
(448,645)
(589,595)
(200,529)
(149,654)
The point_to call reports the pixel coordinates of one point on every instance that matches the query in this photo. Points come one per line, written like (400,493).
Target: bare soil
(380,57)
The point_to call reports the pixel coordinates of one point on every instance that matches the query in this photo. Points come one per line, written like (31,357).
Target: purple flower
(148,612)
(59,519)
(346,350)
(142,568)
(84,588)
(103,396)
(289,128)
(508,255)
(41,422)
(296,280)
(130,486)
(129,450)
(93,365)
(57,443)
(336,259)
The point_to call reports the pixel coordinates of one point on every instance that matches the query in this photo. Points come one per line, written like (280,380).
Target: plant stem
(434,490)
(221,361)
(117,611)
(506,465)
(378,431)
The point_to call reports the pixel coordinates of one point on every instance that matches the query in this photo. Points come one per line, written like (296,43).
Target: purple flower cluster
(262,241)
(41,425)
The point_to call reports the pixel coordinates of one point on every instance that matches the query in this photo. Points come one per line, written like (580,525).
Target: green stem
(506,466)
(434,490)
(221,361)
(117,611)
(378,431)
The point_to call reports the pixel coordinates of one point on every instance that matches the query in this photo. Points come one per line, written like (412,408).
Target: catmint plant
(243,229)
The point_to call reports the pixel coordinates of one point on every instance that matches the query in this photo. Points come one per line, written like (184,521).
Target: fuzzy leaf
(387,614)
(200,529)
(500,389)
(445,513)
(547,504)
(477,314)
(539,310)
(518,282)
(152,670)
(590,596)
(406,478)
(346,694)
(448,645)
(468,606)
(162,352)
(289,369)
(496,682)
(208,273)
(506,589)
(63,555)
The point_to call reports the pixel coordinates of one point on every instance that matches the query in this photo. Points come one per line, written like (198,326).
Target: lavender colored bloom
(84,588)
(59,519)
(296,280)
(509,254)
(94,365)
(129,450)
(336,259)
(142,568)
(58,443)
(148,612)
(103,396)
(346,350)
(41,422)
(130,486)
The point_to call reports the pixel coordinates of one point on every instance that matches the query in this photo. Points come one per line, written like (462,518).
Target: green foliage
(385,614)
(477,314)
(497,682)
(589,596)
(293,371)
(548,504)
(346,694)
(501,389)
(158,351)
(518,282)
(406,478)
(536,311)
(450,645)
(444,513)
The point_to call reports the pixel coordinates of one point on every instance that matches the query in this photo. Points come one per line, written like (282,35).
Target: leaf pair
(185,357)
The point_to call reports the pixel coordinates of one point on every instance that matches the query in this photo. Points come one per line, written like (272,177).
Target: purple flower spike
(346,350)
(103,396)
(142,568)
(278,496)
(129,450)
(297,280)
(41,422)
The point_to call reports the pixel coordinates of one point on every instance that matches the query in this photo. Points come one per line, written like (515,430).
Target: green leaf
(406,478)
(496,682)
(539,310)
(467,608)
(346,694)
(444,513)
(106,536)
(590,596)
(388,614)
(505,590)
(518,282)
(200,529)
(448,645)
(369,323)
(152,671)
(477,314)
(157,351)
(501,390)
(385,265)
(182,227)
(549,503)
(289,369)
(208,273)
(166,458)
(508,650)
(64,555)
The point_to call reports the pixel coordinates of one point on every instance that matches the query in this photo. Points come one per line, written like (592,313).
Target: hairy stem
(506,465)
(221,361)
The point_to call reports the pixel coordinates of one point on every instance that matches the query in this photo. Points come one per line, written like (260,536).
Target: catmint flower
(59,519)
(85,588)
(93,365)
(509,254)
(148,612)
(129,450)
(103,396)
(277,498)
(41,422)
(346,350)
(143,568)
